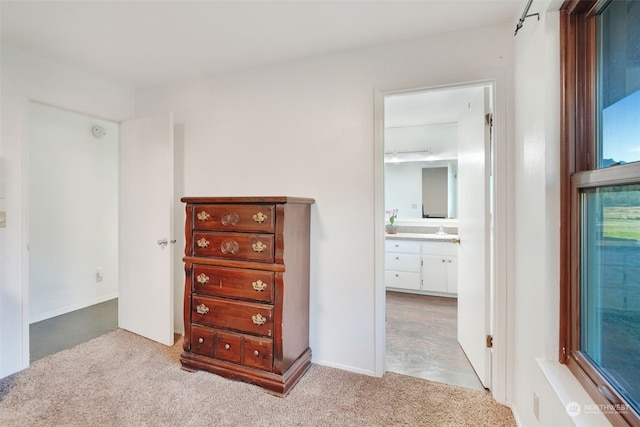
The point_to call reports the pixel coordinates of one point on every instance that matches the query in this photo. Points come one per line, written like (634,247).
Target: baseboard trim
(70,308)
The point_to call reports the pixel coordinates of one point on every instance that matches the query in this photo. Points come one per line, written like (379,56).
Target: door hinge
(489,341)
(489,119)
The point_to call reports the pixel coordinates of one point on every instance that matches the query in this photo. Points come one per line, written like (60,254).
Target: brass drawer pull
(259,217)
(229,247)
(259,319)
(230,219)
(202,278)
(259,286)
(204,216)
(202,309)
(259,247)
(200,340)
(203,243)
(227,346)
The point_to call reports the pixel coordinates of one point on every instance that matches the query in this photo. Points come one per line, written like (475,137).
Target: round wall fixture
(98,131)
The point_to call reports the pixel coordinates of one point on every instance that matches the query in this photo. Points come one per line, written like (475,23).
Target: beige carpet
(121,379)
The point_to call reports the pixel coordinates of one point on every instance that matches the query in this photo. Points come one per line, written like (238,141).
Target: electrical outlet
(536,406)
(99,275)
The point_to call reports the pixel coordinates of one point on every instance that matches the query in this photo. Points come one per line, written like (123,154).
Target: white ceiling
(143,44)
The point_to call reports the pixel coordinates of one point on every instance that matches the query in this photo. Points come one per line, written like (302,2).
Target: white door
(473,229)
(145,188)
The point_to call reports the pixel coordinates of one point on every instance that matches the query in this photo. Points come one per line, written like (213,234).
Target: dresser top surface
(256,199)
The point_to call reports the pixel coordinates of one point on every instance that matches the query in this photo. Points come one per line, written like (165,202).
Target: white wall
(27,76)
(306,128)
(73,211)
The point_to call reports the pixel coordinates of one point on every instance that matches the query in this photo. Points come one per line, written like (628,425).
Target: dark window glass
(610,285)
(618,50)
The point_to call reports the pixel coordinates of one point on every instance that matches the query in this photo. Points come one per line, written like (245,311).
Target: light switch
(3,219)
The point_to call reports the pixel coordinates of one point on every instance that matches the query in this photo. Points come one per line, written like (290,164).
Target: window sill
(570,391)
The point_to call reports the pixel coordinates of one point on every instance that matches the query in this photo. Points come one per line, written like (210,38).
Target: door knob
(164,242)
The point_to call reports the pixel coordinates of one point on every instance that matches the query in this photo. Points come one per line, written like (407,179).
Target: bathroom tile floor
(421,340)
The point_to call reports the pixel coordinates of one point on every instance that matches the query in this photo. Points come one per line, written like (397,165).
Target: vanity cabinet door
(434,273)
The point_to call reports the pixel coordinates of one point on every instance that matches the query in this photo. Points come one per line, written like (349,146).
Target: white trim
(380,298)
(568,390)
(74,307)
(346,368)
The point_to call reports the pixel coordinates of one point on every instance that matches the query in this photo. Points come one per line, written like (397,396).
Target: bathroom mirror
(421,151)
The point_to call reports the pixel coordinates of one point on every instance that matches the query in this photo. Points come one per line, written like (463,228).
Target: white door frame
(499,253)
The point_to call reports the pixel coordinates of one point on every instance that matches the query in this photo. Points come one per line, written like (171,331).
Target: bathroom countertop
(446,238)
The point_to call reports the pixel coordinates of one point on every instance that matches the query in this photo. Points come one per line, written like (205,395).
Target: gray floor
(422,340)
(68,330)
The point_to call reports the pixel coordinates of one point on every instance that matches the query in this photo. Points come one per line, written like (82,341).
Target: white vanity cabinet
(402,264)
(440,267)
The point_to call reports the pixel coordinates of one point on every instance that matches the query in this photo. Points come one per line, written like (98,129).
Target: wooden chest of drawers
(246,296)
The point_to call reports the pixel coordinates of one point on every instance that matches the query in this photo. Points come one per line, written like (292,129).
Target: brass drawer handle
(227,346)
(229,247)
(204,216)
(230,219)
(259,247)
(202,278)
(259,217)
(259,285)
(259,319)
(202,309)
(200,340)
(203,243)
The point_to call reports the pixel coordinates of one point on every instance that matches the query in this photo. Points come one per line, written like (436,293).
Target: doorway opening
(73,228)
(438,276)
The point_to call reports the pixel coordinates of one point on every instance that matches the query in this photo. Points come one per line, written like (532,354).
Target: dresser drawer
(241,316)
(233,282)
(239,246)
(228,346)
(257,218)
(258,353)
(201,340)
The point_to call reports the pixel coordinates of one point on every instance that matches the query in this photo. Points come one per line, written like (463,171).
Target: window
(600,273)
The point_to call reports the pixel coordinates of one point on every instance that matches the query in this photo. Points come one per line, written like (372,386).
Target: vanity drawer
(233,282)
(241,316)
(239,246)
(393,245)
(402,262)
(402,280)
(440,248)
(257,218)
